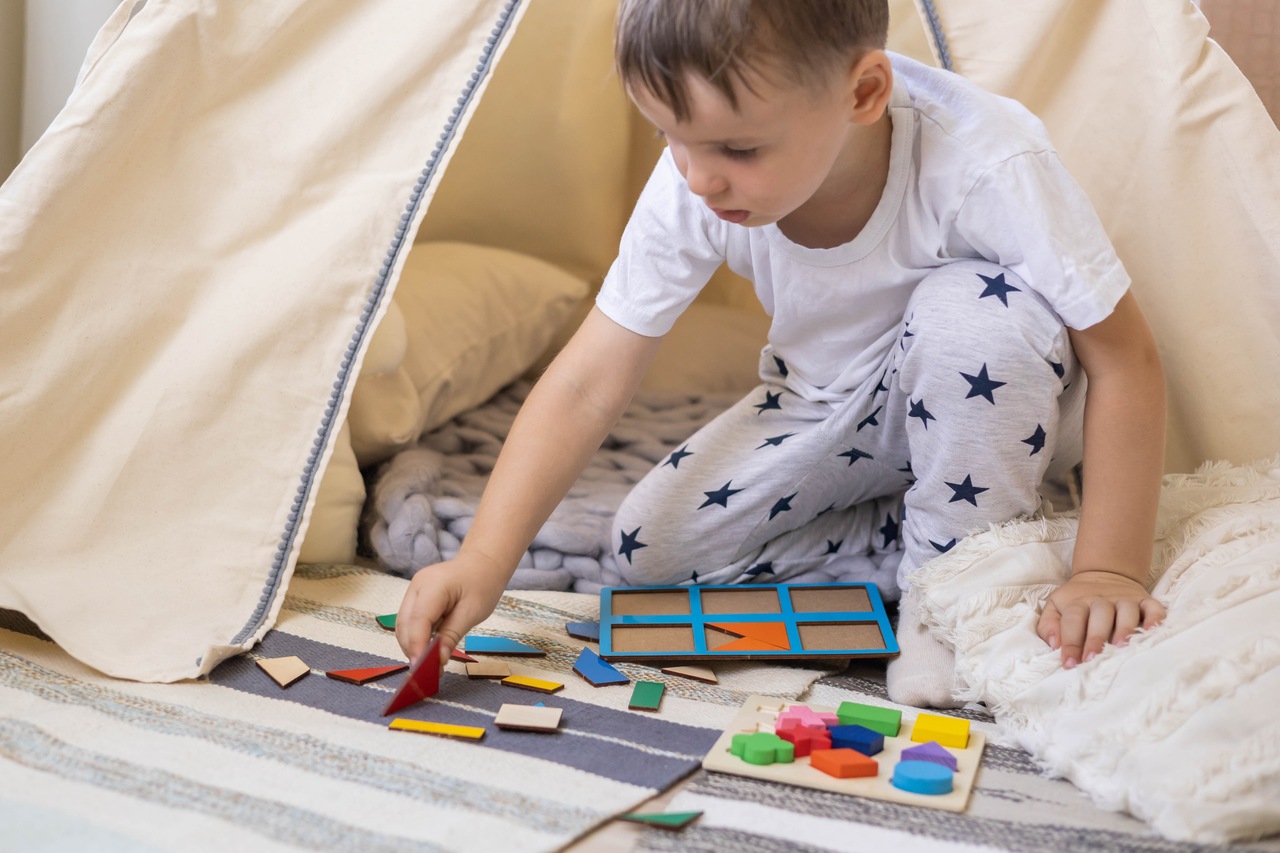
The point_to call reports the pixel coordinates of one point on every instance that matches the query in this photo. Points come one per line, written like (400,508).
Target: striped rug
(237,763)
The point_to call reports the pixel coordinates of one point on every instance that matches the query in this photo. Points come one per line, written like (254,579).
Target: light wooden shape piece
(528,718)
(488,669)
(286,670)
(697,673)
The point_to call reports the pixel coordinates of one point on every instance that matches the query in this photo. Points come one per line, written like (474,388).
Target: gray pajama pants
(956,431)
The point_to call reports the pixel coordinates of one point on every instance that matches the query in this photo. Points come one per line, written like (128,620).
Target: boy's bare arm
(1106,598)
(562,423)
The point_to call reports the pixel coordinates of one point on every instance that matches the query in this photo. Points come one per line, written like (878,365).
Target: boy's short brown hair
(659,42)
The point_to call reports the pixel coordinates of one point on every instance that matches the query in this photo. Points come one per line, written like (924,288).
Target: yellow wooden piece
(442,729)
(538,684)
(947,731)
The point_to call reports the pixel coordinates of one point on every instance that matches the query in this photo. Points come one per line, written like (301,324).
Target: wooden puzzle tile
(843,763)
(948,731)
(461,656)
(538,685)
(498,646)
(772,633)
(804,717)
(488,669)
(858,738)
(423,680)
(284,671)
(762,748)
(388,621)
(922,777)
(441,729)
(747,644)
(597,671)
(931,751)
(364,676)
(646,696)
(528,718)
(886,721)
(583,630)
(665,820)
(805,740)
(697,673)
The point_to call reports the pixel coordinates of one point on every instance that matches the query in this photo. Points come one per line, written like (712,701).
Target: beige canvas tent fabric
(192,257)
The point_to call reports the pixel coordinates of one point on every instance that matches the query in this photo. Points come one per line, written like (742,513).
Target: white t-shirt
(971,175)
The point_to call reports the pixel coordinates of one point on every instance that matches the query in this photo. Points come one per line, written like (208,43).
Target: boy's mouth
(735,216)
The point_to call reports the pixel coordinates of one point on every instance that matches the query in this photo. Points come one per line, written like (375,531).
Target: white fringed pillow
(1179,727)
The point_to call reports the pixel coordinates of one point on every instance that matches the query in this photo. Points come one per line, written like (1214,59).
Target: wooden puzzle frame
(744,622)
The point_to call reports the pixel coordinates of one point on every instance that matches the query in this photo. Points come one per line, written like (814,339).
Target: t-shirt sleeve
(669,250)
(1029,215)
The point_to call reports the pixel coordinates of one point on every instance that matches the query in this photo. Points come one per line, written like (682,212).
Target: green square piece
(388,621)
(646,696)
(885,721)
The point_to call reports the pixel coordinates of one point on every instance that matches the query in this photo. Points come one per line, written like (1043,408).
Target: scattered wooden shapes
(422,682)
(498,646)
(583,630)
(461,656)
(664,820)
(646,696)
(538,685)
(364,676)
(284,671)
(528,718)
(805,740)
(948,731)
(441,729)
(488,669)
(772,634)
(931,751)
(597,671)
(762,748)
(858,738)
(697,673)
(922,777)
(802,716)
(388,621)
(843,763)
(886,721)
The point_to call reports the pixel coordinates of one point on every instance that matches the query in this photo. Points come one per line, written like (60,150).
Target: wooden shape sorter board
(759,713)
(744,622)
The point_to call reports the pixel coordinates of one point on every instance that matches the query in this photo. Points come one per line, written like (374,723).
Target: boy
(939,289)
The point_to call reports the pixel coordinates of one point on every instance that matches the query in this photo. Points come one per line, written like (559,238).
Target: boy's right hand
(448,599)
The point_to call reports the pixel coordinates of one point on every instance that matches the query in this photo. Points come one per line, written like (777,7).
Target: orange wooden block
(843,763)
(773,633)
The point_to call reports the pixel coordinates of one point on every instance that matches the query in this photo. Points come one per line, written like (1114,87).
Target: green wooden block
(646,696)
(666,820)
(762,748)
(388,621)
(885,721)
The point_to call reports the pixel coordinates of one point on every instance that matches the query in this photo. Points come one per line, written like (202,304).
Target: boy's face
(758,163)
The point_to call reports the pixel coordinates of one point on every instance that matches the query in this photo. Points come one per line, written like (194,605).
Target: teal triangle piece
(497,646)
(666,820)
(388,621)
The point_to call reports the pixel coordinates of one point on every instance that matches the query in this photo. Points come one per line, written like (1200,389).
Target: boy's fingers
(1102,620)
(1074,621)
(417,617)
(1153,612)
(1049,628)
(1128,617)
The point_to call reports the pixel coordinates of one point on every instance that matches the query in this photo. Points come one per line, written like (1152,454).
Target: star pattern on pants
(782,505)
(966,491)
(776,440)
(889,530)
(1036,440)
(720,496)
(674,459)
(853,454)
(982,385)
(919,411)
(998,288)
(631,543)
(771,401)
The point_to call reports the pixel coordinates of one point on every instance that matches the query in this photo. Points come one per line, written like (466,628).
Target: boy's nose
(702,181)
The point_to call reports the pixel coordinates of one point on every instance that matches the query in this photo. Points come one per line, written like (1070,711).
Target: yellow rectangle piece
(947,731)
(538,684)
(442,729)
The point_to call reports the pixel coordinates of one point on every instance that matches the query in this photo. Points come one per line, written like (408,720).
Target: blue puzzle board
(684,623)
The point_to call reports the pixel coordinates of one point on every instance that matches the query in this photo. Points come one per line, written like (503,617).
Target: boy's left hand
(1092,609)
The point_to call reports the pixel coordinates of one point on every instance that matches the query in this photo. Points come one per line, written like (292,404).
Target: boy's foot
(924,674)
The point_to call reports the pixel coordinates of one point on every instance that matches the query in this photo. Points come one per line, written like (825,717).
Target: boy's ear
(870,83)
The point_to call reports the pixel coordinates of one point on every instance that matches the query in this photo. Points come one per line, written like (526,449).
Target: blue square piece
(858,738)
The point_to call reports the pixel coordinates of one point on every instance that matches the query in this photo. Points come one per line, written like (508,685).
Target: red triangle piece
(749,644)
(772,633)
(364,676)
(458,654)
(423,680)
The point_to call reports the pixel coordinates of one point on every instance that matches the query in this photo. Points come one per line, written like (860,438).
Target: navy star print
(919,411)
(771,401)
(870,420)
(720,496)
(776,440)
(783,505)
(674,459)
(1036,440)
(981,385)
(833,547)
(631,542)
(942,549)
(782,366)
(966,491)
(854,454)
(760,569)
(996,287)
(889,530)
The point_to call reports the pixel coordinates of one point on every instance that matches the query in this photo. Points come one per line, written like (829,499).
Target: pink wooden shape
(803,716)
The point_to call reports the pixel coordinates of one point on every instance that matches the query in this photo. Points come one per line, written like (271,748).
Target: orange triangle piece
(772,633)
(749,644)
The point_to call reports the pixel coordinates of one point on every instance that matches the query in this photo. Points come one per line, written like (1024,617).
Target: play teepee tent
(196,255)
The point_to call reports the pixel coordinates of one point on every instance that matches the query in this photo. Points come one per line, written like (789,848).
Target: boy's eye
(739,153)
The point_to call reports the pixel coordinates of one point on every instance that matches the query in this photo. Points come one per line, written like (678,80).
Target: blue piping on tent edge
(936,33)
(323,434)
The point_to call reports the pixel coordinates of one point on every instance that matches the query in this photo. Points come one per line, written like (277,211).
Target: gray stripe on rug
(31,746)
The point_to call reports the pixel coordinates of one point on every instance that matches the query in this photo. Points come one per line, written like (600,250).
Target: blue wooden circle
(922,777)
